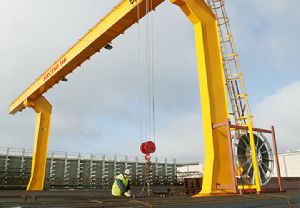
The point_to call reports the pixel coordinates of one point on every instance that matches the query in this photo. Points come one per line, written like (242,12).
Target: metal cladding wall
(80,171)
(289,164)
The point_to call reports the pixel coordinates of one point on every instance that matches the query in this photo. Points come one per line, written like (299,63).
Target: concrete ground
(81,198)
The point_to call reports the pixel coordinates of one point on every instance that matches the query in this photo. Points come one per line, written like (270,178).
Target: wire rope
(153,73)
(140,69)
(146,66)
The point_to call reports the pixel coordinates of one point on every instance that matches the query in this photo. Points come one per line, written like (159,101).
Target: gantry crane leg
(217,173)
(43,111)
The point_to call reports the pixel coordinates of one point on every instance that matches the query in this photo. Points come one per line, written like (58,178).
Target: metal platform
(78,199)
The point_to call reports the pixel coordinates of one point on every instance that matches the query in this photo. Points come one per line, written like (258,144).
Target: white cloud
(266,33)
(282,110)
(181,138)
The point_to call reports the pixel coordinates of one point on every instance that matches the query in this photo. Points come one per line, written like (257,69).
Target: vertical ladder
(92,172)
(105,173)
(234,80)
(22,167)
(52,171)
(174,173)
(234,77)
(79,177)
(139,169)
(66,171)
(156,171)
(6,166)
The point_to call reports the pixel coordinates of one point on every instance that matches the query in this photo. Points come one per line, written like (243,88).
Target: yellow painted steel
(43,116)
(112,25)
(253,156)
(257,183)
(217,170)
(246,186)
(211,76)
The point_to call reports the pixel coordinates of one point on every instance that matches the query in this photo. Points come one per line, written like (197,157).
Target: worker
(121,185)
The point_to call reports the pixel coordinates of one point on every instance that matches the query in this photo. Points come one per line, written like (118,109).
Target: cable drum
(243,159)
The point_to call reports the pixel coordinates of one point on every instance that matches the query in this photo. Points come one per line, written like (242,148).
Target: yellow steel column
(43,116)
(253,156)
(217,172)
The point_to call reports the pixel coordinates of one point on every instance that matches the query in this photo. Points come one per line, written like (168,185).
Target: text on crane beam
(54,68)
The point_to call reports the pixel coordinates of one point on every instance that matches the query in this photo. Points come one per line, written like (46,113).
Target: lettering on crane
(54,68)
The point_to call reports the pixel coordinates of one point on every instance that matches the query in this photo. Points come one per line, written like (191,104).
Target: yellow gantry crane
(217,172)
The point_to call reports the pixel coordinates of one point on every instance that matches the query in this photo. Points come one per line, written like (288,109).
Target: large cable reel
(243,158)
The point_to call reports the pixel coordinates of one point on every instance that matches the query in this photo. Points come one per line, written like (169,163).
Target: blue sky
(266,37)
(98,109)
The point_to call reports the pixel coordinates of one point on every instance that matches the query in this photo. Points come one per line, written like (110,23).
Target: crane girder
(108,28)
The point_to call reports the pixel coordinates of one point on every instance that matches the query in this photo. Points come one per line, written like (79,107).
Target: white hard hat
(127,172)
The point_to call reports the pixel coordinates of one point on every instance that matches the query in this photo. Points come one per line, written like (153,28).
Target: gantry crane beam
(112,25)
(217,176)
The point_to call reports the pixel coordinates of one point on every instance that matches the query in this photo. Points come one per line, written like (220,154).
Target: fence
(81,171)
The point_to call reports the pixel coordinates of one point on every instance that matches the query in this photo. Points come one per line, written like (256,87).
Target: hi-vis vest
(116,191)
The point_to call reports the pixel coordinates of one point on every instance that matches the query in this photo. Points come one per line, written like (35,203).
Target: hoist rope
(150,69)
(140,69)
(147,112)
(147,123)
(153,74)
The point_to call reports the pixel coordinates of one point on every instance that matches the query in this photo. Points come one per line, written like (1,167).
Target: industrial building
(287,163)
